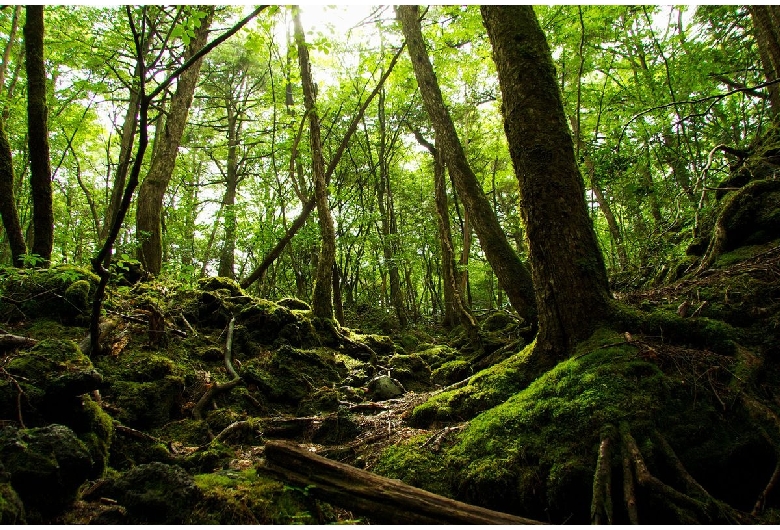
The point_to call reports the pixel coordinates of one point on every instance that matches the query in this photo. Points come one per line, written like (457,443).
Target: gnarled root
(697,506)
(601,507)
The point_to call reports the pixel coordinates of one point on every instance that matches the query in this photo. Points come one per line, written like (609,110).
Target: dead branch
(382,499)
(229,349)
(212,391)
(12,342)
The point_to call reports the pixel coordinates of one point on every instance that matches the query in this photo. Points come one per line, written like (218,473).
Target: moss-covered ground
(682,383)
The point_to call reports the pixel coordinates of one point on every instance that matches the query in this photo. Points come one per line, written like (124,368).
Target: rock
(152,493)
(46,467)
(384,387)
(294,303)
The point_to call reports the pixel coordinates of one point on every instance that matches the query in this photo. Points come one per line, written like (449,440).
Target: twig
(229,350)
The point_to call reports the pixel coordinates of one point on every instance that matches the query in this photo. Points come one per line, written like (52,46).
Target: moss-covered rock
(153,493)
(63,293)
(452,372)
(411,370)
(46,466)
(294,303)
(148,405)
(11,507)
(485,390)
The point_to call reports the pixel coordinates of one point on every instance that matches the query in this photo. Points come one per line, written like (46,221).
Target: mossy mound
(11,507)
(244,497)
(485,390)
(62,293)
(411,370)
(46,466)
(535,454)
(153,493)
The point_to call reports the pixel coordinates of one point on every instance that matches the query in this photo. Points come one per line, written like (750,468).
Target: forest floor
(168,423)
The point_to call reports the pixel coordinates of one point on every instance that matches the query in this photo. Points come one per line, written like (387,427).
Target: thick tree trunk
(167,140)
(10,215)
(38,136)
(512,274)
(569,274)
(766,21)
(385,501)
(322,299)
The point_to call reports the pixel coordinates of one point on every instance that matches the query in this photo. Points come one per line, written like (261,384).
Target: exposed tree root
(601,508)
(695,508)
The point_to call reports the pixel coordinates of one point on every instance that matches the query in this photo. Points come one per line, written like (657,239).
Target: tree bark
(38,135)
(512,274)
(167,140)
(8,211)
(227,255)
(385,501)
(766,22)
(322,299)
(572,292)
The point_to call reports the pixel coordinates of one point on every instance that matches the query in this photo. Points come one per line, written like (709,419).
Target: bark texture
(322,299)
(38,135)
(10,215)
(766,22)
(512,274)
(572,292)
(167,141)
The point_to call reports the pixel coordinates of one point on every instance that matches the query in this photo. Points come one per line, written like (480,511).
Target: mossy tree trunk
(167,140)
(512,274)
(38,135)
(10,215)
(572,292)
(766,22)
(227,254)
(322,299)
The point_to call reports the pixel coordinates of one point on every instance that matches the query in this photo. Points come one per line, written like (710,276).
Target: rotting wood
(385,500)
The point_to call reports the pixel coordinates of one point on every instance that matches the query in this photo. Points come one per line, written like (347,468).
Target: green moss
(187,431)
(485,390)
(694,332)
(452,372)
(244,497)
(148,405)
(61,293)
(212,457)
(413,462)
(11,507)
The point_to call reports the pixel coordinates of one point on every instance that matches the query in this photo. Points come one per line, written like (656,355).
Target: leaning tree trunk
(38,136)
(322,299)
(572,291)
(148,220)
(512,274)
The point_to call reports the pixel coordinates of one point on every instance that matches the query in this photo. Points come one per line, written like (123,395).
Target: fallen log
(12,342)
(384,500)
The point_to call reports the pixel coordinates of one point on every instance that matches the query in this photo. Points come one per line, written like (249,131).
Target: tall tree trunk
(390,244)
(167,140)
(512,274)
(13,227)
(322,299)
(569,274)
(227,255)
(766,21)
(38,135)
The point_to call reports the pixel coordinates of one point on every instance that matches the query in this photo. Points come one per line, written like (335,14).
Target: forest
(390,264)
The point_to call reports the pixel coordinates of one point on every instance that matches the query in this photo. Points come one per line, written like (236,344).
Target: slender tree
(766,23)
(572,291)
(38,135)
(322,299)
(512,274)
